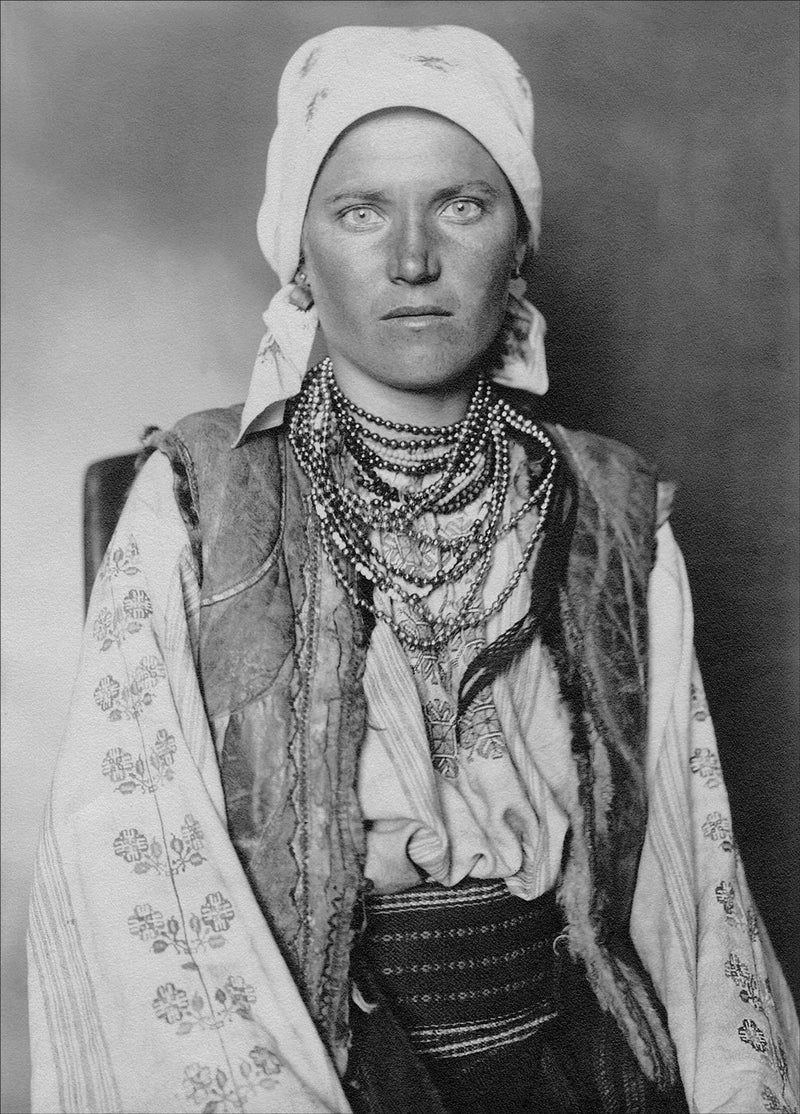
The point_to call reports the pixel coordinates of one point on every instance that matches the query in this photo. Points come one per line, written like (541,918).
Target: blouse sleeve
(693,920)
(155,983)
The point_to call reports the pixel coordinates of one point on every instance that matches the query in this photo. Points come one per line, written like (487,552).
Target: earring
(301,295)
(516,284)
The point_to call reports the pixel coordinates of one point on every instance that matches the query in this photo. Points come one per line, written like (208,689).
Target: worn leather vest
(281,659)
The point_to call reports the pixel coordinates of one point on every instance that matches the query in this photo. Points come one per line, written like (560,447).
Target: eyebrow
(372,196)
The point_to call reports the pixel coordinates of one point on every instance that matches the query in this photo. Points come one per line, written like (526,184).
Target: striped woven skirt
(470,1005)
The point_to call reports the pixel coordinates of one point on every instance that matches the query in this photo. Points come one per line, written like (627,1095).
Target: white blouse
(155,983)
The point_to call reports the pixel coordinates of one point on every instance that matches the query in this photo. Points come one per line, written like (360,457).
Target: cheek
(340,288)
(489,275)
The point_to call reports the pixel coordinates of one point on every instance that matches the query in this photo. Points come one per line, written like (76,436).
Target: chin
(427,381)
(414,372)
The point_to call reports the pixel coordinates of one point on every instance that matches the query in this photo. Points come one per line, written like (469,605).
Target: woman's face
(409,241)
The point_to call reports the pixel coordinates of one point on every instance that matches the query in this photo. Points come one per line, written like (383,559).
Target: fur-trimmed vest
(281,664)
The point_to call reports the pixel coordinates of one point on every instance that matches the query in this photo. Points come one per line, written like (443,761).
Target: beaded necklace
(385,502)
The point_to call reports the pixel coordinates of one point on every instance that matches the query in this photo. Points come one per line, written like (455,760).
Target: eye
(463,210)
(362,216)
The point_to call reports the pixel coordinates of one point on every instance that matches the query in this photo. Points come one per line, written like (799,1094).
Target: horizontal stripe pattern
(466,969)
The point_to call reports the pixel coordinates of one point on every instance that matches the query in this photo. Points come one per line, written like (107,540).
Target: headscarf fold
(332,81)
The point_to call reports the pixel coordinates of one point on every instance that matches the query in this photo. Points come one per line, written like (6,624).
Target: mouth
(416,312)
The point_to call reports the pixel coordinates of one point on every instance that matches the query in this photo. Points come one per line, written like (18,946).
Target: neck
(443,405)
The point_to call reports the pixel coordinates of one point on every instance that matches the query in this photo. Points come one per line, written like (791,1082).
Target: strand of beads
(390,508)
(455,555)
(467,438)
(363,515)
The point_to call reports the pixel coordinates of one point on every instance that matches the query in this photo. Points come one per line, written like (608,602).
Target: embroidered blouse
(487,806)
(146,943)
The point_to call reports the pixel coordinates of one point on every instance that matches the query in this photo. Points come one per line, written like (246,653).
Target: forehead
(397,144)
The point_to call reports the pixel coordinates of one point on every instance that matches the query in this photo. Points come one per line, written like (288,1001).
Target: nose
(414,255)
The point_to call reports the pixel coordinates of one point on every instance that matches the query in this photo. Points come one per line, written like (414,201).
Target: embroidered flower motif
(107,693)
(130,776)
(718,830)
(240,993)
(117,764)
(705,763)
(180,855)
(134,847)
(231,1001)
(130,700)
(749,1033)
(147,855)
(745,920)
(113,627)
(217,912)
(735,969)
(137,605)
(750,994)
(130,845)
(745,980)
(197,1082)
(192,833)
(219,1093)
(726,897)
(103,627)
(146,676)
(121,560)
(170,1003)
(188,851)
(147,923)
(269,1063)
(164,747)
(161,934)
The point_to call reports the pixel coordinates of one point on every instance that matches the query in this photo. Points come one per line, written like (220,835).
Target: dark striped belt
(467,968)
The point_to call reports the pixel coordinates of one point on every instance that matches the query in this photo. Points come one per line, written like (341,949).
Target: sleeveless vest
(281,660)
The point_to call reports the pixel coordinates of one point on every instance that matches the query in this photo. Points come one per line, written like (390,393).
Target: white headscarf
(334,80)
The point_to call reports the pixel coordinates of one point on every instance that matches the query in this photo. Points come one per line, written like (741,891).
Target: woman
(390,784)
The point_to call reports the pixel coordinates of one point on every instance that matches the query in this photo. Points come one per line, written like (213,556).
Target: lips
(416,311)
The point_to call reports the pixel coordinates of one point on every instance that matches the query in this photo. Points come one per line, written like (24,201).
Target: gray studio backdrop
(134,143)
